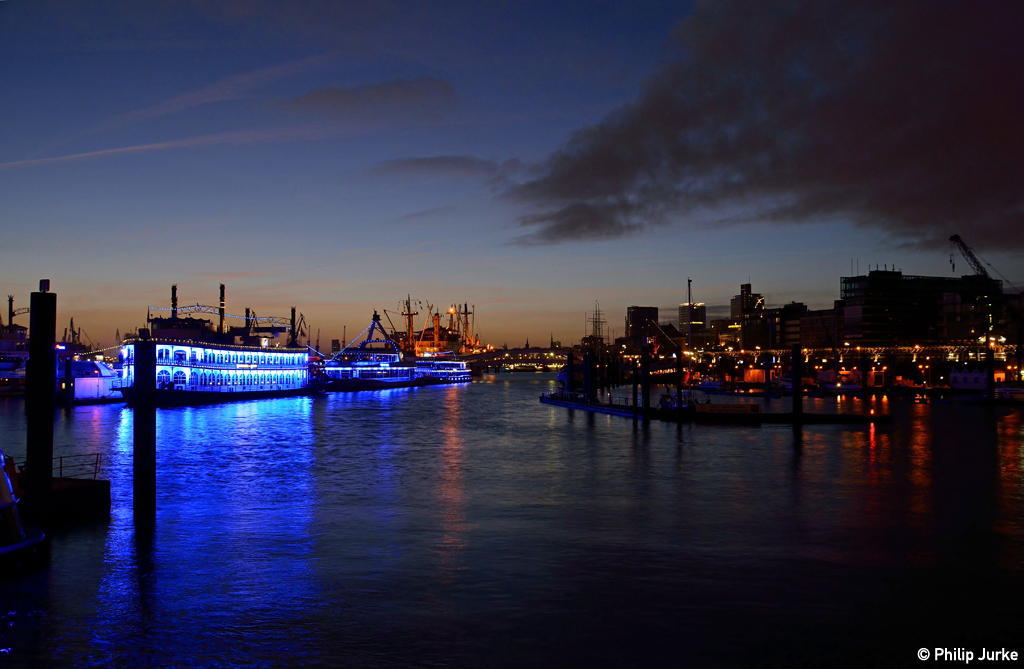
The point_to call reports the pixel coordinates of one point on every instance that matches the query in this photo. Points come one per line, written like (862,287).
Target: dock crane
(979,270)
(968,254)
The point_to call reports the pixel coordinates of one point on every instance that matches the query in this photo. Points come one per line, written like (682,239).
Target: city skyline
(336,157)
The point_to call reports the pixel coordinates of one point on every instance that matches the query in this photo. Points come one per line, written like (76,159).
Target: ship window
(163,378)
(194,378)
(179,378)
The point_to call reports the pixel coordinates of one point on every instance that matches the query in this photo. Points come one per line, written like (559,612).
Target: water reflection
(451,492)
(432,526)
(232,540)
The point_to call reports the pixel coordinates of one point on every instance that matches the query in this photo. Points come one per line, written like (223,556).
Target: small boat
(1010,394)
(444,369)
(377,364)
(691,398)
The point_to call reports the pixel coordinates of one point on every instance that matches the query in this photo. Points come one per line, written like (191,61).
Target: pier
(745,413)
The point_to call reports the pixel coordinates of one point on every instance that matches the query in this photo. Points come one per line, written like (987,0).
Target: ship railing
(85,466)
(169,362)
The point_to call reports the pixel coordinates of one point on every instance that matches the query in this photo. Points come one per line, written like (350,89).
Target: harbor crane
(1012,309)
(968,254)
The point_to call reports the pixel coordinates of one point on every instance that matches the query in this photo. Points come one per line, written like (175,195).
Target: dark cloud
(398,100)
(905,116)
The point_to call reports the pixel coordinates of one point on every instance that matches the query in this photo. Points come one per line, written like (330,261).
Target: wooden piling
(679,386)
(144,417)
(636,379)
(40,385)
(588,376)
(645,380)
(990,374)
(798,384)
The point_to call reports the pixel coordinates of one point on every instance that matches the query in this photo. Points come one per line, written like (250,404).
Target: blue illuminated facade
(445,371)
(191,367)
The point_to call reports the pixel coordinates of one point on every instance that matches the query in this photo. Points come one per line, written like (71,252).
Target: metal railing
(77,466)
(206,364)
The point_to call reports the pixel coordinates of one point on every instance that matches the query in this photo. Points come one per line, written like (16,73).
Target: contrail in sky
(238,137)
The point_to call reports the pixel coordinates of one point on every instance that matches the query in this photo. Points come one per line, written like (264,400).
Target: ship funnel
(174,301)
(247,324)
(293,337)
(11,531)
(10,310)
(221,329)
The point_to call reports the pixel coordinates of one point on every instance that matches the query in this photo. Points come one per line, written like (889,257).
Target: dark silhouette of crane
(968,254)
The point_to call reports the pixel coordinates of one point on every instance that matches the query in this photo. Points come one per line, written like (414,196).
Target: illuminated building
(696,313)
(887,307)
(641,323)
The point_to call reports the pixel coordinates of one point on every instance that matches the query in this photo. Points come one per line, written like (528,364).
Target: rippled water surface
(472,526)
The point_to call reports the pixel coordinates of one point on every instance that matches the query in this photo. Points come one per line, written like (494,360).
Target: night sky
(528,158)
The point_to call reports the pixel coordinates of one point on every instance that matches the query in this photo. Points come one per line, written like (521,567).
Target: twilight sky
(528,158)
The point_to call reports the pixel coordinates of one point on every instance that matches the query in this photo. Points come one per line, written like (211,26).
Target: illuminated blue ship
(376,364)
(198,363)
(444,369)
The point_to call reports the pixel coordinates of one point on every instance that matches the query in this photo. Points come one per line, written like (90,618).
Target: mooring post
(645,380)
(798,384)
(636,381)
(588,376)
(767,374)
(69,380)
(144,417)
(568,371)
(990,373)
(865,369)
(679,388)
(40,385)
(1020,352)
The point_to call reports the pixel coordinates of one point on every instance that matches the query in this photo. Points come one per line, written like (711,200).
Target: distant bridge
(519,359)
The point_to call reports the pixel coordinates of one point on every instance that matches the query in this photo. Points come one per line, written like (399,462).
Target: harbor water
(470,525)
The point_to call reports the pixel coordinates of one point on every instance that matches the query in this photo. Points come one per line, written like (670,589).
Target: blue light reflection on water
(470,524)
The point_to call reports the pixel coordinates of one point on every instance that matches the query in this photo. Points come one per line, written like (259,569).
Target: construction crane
(968,254)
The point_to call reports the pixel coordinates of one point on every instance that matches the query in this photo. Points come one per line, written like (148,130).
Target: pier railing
(77,466)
